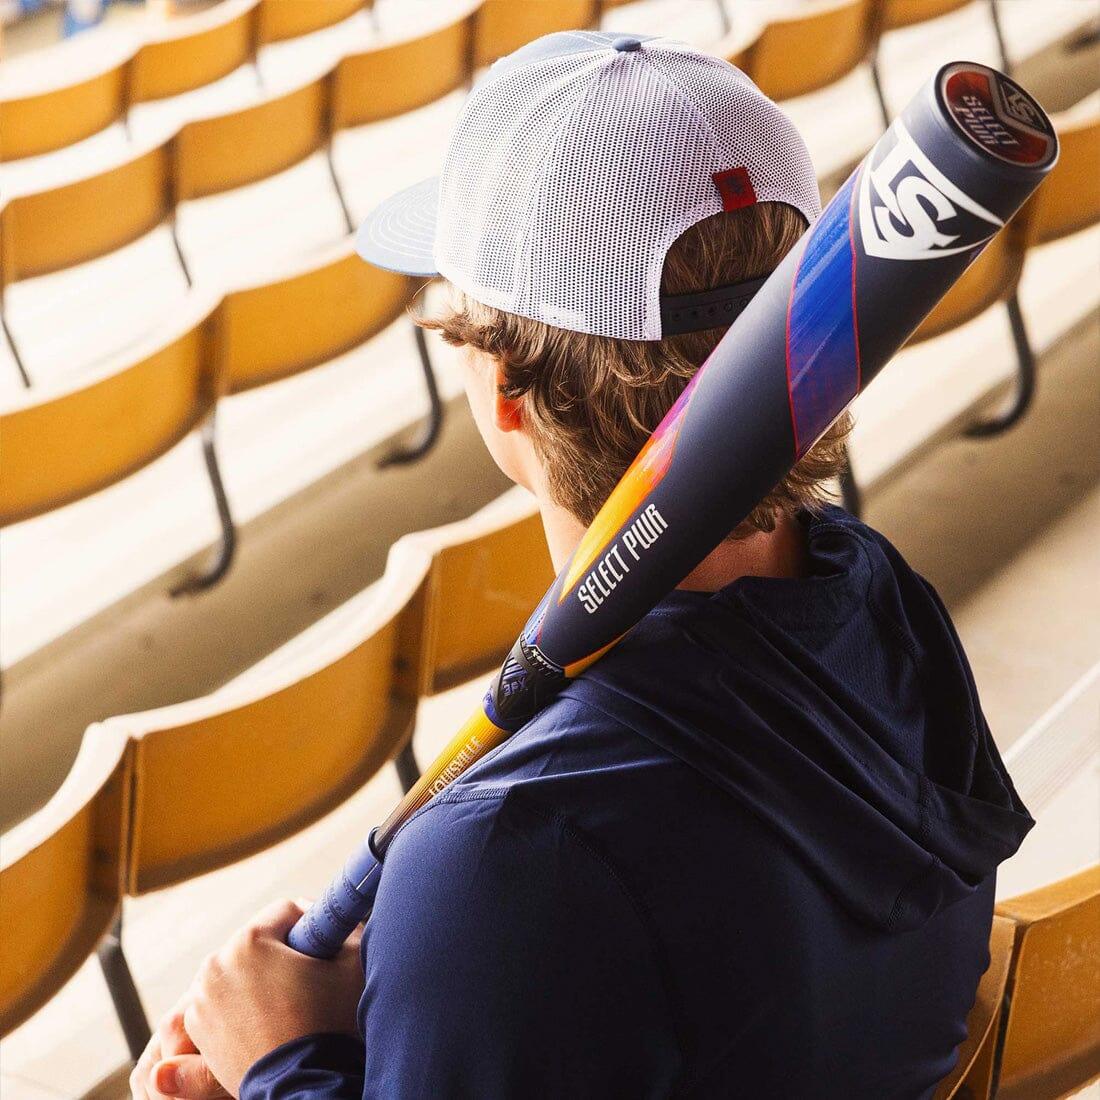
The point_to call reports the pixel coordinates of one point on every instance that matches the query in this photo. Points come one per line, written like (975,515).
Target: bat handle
(348,899)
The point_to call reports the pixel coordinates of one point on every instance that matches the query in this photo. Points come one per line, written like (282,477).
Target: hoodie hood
(840,709)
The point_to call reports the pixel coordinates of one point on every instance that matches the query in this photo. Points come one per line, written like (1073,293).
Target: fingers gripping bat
(951,170)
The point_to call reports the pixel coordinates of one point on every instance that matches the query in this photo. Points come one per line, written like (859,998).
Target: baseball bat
(958,162)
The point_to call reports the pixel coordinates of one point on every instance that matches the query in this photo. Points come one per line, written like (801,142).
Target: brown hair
(590,402)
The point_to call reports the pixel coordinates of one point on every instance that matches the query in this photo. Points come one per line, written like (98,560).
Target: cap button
(625,44)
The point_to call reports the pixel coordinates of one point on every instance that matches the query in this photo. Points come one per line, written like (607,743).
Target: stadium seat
(195,51)
(504,26)
(41,122)
(46,231)
(400,76)
(260,759)
(904,13)
(322,309)
(220,152)
(1051,1043)
(488,574)
(812,45)
(61,880)
(898,14)
(993,277)
(58,227)
(283,19)
(277,328)
(64,444)
(1069,198)
(224,151)
(972,1076)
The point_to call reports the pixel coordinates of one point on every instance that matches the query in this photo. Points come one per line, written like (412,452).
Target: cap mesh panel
(568,178)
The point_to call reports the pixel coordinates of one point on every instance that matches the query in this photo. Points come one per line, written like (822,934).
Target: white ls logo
(905,201)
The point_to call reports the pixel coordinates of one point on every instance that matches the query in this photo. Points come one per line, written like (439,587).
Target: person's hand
(171,1066)
(257,993)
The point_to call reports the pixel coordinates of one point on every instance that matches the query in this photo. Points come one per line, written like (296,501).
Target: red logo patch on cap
(735,187)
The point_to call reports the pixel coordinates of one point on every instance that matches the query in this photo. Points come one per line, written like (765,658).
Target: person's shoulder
(552,788)
(477,851)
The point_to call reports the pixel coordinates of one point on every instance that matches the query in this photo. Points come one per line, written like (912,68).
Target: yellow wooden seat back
(46,231)
(1068,200)
(812,46)
(220,152)
(283,19)
(274,329)
(1052,1036)
(222,777)
(68,443)
(904,13)
(736,47)
(51,119)
(504,25)
(991,278)
(196,50)
(390,79)
(61,880)
(489,573)
(972,1075)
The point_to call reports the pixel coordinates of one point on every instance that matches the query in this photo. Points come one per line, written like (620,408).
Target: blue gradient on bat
(822,342)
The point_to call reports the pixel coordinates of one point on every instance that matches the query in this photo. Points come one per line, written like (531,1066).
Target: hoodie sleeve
(316,1067)
(504,958)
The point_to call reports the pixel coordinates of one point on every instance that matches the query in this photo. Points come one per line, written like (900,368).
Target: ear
(507,411)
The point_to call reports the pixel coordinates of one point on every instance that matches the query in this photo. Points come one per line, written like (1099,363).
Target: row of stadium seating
(788,55)
(199,49)
(110,206)
(871,461)
(64,443)
(282,746)
(263,756)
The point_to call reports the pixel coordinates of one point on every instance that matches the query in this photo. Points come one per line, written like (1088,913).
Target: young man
(752,851)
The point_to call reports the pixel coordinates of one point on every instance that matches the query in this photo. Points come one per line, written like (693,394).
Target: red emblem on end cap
(735,187)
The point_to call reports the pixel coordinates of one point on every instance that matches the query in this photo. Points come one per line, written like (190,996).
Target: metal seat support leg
(434,424)
(1025,379)
(880,93)
(24,377)
(408,770)
(348,222)
(998,30)
(850,495)
(123,991)
(723,17)
(228,548)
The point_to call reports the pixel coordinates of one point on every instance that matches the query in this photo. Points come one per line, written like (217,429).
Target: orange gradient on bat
(645,473)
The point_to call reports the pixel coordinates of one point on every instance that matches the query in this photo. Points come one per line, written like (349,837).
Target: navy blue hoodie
(751,852)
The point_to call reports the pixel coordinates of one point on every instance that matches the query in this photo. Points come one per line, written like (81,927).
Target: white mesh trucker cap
(575,164)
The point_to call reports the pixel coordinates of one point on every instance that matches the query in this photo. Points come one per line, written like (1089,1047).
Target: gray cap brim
(399,234)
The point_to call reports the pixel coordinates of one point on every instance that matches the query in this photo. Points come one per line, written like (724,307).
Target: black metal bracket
(123,991)
(23,375)
(228,547)
(348,223)
(880,92)
(408,770)
(179,248)
(850,495)
(998,31)
(434,424)
(1025,379)
(723,17)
